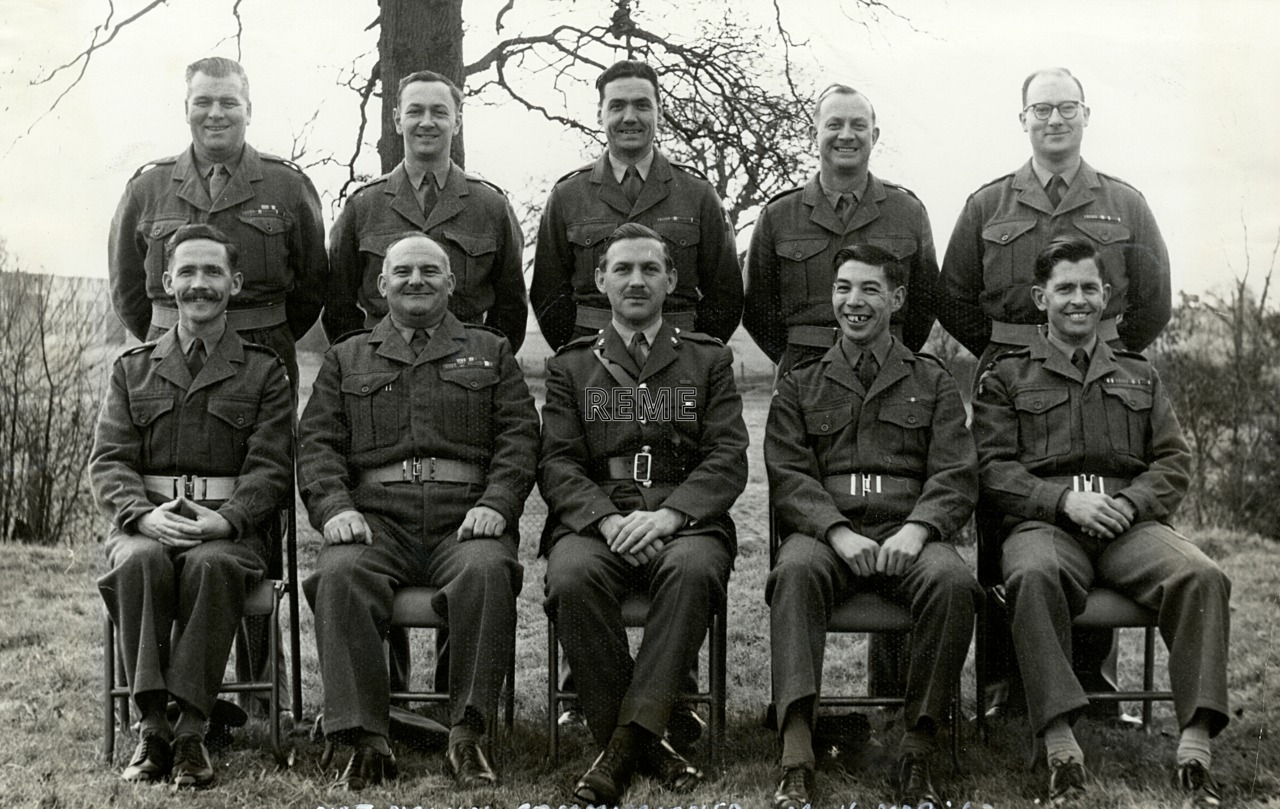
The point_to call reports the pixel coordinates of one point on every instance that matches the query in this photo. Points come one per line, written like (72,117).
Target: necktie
(639,348)
(844,207)
(419,341)
(429,194)
(1081,361)
(632,184)
(217,181)
(1055,189)
(867,369)
(195,357)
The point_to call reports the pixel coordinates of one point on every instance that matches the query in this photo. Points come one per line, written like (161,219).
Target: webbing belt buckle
(185,485)
(411,470)
(870,483)
(642,467)
(1089,483)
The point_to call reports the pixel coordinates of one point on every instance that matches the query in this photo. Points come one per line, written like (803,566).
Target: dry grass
(50,664)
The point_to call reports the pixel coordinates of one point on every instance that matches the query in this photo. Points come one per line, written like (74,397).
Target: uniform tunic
(234,419)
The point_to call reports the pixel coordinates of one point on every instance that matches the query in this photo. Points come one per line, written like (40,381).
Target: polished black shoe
(191,767)
(367,766)
(684,728)
(1066,782)
(794,788)
(915,787)
(1198,784)
(674,771)
(609,776)
(469,767)
(151,759)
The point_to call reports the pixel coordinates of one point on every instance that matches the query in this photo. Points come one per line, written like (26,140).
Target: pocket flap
(681,231)
(800,249)
(143,410)
(1104,232)
(901,247)
(911,415)
(1040,400)
(472,377)
(471,243)
(368,384)
(829,421)
(1005,232)
(586,234)
(1134,397)
(268,223)
(237,412)
(163,228)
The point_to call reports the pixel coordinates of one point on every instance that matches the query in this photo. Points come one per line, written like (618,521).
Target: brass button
(364,389)
(1004,237)
(825,427)
(911,419)
(797,254)
(683,242)
(239,419)
(475,384)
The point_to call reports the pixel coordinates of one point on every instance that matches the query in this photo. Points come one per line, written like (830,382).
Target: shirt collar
(642,166)
(186,338)
(1069,350)
(879,349)
(626,332)
(834,196)
(406,332)
(203,166)
(1044,175)
(417,174)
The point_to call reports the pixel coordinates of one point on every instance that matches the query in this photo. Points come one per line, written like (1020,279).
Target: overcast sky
(1183,96)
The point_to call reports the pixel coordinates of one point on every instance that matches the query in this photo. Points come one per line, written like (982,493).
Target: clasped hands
(350,526)
(183,524)
(1099,515)
(866,557)
(637,537)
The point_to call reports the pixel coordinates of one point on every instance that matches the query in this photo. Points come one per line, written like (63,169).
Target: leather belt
(590,317)
(1024,334)
(247,319)
(193,487)
(1090,483)
(643,468)
(815,336)
(859,484)
(423,470)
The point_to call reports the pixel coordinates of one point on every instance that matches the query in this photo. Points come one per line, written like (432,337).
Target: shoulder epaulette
(145,167)
(282,160)
(138,349)
(694,170)
(585,341)
(349,335)
(903,189)
(475,178)
(379,180)
(1015,351)
(268,350)
(999,179)
(1116,179)
(782,194)
(925,355)
(806,362)
(698,337)
(1133,355)
(575,172)
(482,327)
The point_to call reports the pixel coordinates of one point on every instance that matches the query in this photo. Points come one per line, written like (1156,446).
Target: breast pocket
(908,423)
(682,234)
(471,259)
(1009,253)
(1044,421)
(824,427)
(228,434)
(148,414)
(467,406)
(805,278)
(1128,409)
(377,407)
(264,248)
(1111,239)
(587,238)
(373,249)
(156,232)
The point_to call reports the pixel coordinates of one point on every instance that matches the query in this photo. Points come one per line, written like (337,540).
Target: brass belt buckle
(411,470)
(188,484)
(870,483)
(642,467)
(1089,483)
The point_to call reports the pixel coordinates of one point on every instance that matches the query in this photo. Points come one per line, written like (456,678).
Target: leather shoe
(191,767)
(151,760)
(1066,782)
(1198,782)
(684,728)
(915,787)
(794,788)
(674,771)
(609,776)
(468,765)
(367,766)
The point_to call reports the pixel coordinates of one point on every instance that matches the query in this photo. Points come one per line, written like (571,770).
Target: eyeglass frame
(1080,105)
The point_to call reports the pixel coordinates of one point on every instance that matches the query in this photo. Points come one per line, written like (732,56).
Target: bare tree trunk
(416,35)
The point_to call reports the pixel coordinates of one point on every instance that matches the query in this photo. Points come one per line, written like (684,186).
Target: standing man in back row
(988,274)
(633,182)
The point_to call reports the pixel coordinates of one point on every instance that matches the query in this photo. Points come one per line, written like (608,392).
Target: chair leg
(1148,674)
(717,664)
(509,692)
(553,692)
(957,724)
(108,686)
(273,703)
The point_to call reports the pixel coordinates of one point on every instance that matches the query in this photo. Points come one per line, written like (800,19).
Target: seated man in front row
(190,461)
(871,473)
(416,453)
(643,452)
(1082,454)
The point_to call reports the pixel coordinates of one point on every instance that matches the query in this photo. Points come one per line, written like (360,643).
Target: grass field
(50,664)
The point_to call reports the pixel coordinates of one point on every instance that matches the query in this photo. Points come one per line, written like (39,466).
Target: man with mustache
(643,452)
(191,459)
(987,281)
(416,453)
(1083,459)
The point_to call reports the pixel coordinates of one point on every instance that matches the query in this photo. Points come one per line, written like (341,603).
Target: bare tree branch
(365,93)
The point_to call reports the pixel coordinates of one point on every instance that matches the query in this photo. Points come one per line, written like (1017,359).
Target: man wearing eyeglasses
(987,273)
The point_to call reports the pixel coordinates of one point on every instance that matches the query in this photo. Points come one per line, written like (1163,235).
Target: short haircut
(1050,71)
(629,69)
(415,234)
(188,233)
(1069,248)
(873,256)
(635,230)
(218,67)
(430,76)
(838,89)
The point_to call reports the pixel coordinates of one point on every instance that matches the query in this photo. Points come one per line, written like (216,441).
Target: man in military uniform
(1082,455)
(633,182)
(643,452)
(871,473)
(264,203)
(191,459)
(468,217)
(789,264)
(987,276)
(416,453)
